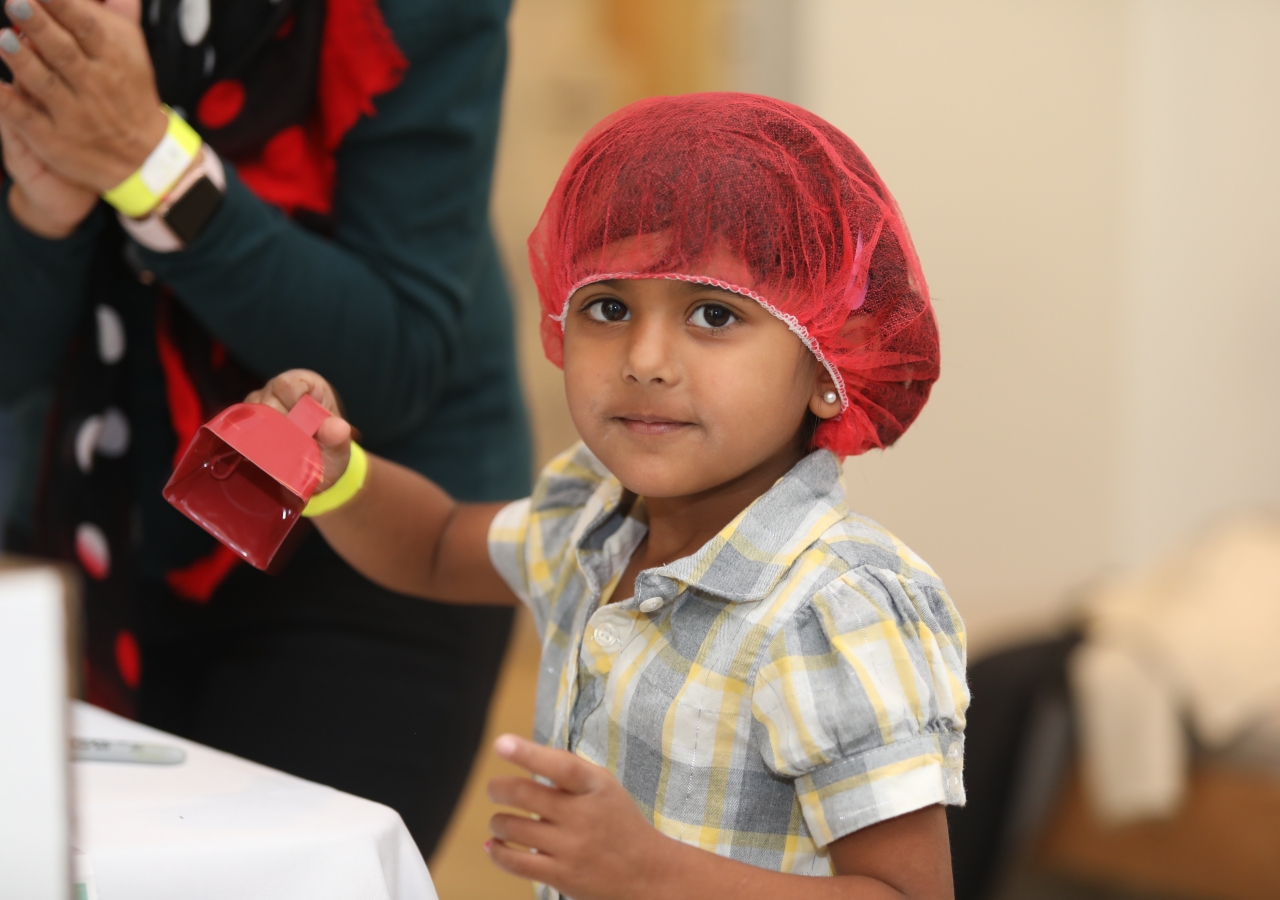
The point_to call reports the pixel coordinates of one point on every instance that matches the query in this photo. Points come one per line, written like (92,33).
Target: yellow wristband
(342,490)
(142,191)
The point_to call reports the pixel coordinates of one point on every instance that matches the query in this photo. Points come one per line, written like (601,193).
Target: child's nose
(651,354)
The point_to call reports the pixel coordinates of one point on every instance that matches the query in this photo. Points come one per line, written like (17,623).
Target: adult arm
(45,251)
(379,308)
(43,285)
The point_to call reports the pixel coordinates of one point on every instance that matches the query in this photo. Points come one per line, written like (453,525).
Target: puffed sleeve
(861,696)
(508,535)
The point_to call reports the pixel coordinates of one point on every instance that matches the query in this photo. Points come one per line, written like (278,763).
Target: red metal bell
(247,474)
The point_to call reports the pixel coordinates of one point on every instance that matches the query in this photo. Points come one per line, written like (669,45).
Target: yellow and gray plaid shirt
(798,678)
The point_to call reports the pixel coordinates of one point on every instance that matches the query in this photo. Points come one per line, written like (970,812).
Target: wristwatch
(185,211)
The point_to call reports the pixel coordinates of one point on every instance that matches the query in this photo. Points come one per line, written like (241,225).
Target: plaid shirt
(798,678)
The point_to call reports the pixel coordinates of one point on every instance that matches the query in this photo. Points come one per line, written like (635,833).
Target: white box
(34,802)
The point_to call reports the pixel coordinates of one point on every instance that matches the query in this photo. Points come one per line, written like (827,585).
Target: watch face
(193,210)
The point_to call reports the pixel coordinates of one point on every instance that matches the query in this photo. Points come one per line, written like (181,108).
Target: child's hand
(591,840)
(334,435)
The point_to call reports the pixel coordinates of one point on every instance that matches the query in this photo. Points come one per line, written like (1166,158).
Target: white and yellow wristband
(342,490)
(142,191)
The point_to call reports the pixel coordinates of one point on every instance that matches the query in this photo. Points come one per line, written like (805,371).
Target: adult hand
(40,200)
(335,433)
(592,842)
(84,98)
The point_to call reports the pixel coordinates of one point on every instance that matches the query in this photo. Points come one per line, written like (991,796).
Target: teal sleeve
(43,286)
(379,309)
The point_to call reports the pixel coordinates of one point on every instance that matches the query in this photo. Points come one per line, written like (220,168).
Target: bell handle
(307,415)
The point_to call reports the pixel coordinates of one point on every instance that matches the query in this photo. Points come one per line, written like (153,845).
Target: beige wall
(1092,189)
(1200,375)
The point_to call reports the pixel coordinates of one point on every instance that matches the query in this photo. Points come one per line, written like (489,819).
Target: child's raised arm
(400,530)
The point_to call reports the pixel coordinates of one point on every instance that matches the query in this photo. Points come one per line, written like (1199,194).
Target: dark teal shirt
(405,310)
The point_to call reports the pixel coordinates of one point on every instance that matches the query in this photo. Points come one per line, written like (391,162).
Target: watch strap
(152,232)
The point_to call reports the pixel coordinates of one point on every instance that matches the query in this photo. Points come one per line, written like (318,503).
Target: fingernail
(9,42)
(505,745)
(488,844)
(20,10)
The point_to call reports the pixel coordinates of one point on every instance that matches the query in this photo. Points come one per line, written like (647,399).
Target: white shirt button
(653,604)
(953,782)
(953,752)
(605,636)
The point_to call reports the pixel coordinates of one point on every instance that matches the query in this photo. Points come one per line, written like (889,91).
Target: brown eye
(608,309)
(712,315)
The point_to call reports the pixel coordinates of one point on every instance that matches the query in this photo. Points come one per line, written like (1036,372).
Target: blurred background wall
(1092,191)
(996,125)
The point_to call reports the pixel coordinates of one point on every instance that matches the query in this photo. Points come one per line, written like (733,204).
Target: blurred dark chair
(1028,826)
(1017,750)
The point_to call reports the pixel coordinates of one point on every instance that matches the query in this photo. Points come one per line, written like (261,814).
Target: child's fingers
(293,385)
(267,398)
(333,432)
(522,863)
(524,793)
(566,771)
(287,388)
(524,831)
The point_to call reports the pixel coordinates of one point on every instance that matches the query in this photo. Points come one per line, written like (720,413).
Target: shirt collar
(748,557)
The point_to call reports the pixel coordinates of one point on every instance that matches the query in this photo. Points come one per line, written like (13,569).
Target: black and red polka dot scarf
(273,87)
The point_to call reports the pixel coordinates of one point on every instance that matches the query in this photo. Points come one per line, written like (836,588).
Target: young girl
(738,673)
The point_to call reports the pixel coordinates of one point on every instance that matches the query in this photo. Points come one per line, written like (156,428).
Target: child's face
(679,388)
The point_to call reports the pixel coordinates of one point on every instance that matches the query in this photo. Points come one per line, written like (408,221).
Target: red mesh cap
(764,199)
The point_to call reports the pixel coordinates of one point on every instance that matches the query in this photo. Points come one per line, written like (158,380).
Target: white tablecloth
(216,826)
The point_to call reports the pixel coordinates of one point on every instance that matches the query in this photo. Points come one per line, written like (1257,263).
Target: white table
(216,826)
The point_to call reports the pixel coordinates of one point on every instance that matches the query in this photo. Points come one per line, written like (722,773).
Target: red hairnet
(764,199)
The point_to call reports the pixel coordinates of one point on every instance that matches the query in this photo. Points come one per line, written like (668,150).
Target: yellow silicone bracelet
(342,490)
(142,191)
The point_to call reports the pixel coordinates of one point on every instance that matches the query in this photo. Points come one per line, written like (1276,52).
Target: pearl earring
(830,397)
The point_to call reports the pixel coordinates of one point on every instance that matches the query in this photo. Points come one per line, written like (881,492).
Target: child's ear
(825,400)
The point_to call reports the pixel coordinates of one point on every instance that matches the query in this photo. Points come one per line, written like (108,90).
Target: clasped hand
(83,112)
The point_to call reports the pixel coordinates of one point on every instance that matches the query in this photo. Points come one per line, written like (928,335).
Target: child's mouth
(654,425)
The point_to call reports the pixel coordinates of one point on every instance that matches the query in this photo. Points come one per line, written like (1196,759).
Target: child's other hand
(334,434)
(592,842)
